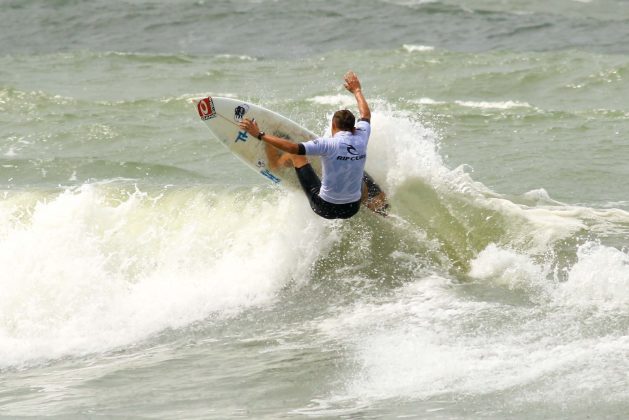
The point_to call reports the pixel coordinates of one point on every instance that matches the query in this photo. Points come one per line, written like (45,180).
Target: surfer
(343,156)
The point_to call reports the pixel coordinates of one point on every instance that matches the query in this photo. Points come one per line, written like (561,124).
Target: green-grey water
(146,272)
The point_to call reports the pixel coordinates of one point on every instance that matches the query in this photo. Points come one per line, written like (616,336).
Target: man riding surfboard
(344,185)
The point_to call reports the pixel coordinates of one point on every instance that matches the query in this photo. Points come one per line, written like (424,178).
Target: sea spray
(90,270)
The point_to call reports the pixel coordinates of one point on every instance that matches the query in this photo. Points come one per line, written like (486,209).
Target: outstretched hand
(351,82)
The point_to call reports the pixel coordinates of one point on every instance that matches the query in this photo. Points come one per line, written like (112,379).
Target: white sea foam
(84,271)
(241,57)
(475,104)
(336,100)
(508,267)
(428,342)
(493,105)
(540,195)
(417,48)
(402,148)
(426,101)
(599,279)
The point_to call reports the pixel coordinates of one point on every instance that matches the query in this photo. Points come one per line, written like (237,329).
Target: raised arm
(353,85)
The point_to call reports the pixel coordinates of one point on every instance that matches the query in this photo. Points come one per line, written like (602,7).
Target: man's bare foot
(377,204)
(373,197)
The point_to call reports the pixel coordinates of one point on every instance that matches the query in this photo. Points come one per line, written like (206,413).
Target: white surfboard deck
(222,116)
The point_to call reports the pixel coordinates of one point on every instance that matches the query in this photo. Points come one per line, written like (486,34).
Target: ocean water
(147,273)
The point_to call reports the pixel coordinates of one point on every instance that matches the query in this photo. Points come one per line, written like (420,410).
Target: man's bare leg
(277,159)
(297,160)
(273,157)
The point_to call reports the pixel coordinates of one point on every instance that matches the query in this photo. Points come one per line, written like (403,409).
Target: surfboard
(223,115)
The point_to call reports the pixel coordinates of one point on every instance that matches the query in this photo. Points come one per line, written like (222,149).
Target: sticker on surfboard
(240,111)
(206,108)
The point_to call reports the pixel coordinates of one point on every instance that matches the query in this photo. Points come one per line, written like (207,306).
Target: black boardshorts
(311,184)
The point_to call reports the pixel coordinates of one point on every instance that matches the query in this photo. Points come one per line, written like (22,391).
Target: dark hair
(344,120)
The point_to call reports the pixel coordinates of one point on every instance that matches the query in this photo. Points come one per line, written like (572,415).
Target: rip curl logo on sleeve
(240,111)
(206,108)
